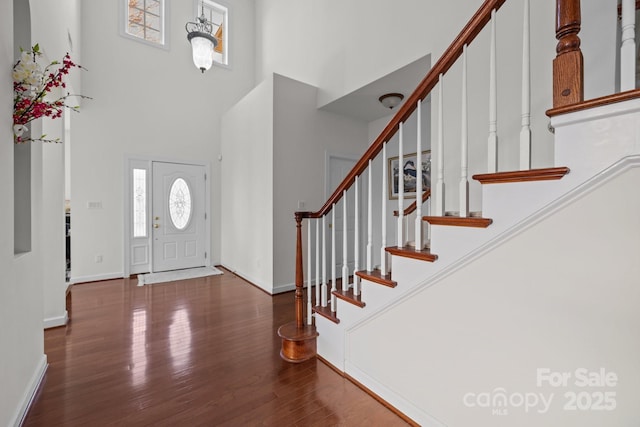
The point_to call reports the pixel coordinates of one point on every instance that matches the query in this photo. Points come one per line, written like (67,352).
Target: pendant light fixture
(202,41)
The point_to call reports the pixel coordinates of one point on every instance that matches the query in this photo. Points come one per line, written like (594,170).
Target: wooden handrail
(446,61)
(413,206)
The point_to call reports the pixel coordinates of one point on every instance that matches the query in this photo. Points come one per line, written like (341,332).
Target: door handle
(156,218)
(156,225)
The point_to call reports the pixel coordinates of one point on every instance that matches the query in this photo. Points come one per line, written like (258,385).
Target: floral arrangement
(32,90)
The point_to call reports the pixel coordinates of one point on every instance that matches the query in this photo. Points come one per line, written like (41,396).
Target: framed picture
(409,173)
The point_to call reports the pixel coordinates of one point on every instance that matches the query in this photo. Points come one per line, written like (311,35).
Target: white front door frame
(145,162)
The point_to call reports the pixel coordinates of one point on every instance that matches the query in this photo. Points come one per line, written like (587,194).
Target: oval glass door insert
(180,204)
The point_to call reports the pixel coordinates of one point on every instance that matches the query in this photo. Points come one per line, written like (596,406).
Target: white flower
(27,71)
(18,130)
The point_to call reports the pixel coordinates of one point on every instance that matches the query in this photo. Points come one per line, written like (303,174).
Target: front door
(178,216)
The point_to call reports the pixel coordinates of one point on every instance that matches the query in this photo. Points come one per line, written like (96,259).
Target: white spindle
(324,261)
(356,238)
(628,49)
(333,257)
(309,289)
(525,132)
(383,252)
(370,217)
(317,262)
(439,167)
(428,208)
(493,101)
(400,239)
(418,226)
(345,237)
(464,164)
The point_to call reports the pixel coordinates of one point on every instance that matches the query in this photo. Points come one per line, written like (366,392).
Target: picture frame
(409,174)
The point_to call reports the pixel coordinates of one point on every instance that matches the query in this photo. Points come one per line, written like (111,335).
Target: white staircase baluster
(525,132)
(428,241)
(370,218)
(418,225)
(324,261)
(333,257)
(317,262)
(400,241)
(345,241)
(464,161)
(356,238)
(439,189)
(309,288)
(383,252)
(628,48)
(493,101)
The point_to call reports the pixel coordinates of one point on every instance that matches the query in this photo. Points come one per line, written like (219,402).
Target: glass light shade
(391,100)
(202,46)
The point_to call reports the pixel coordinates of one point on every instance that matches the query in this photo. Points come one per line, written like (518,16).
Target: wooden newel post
(299,273)
(298,339)
(568,68)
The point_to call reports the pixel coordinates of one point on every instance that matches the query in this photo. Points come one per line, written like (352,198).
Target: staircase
(385,321)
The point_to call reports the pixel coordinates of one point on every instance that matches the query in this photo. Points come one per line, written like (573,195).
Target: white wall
(524,305)
(149,102)
(53,25)
(274,145)
(346,45)
(247,187)
(303,136)
(22,359)
(53,228)
(599,46)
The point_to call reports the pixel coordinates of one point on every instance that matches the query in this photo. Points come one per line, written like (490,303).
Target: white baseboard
(278,289)
(95,278)
(54,322)
(30,392)
(284,288)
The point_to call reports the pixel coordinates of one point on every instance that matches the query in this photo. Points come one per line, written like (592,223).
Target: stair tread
(349,297)
(411,252)
(376,277)
(522,176)
(457,221)
(326,313)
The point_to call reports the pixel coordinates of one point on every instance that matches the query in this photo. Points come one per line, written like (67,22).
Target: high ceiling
(363,103)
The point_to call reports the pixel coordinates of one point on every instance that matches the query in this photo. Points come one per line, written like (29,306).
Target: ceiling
(363,103)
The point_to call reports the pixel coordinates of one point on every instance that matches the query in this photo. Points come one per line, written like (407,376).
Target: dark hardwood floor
(194,352)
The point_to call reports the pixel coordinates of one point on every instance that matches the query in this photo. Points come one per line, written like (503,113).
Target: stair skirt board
(385,394)
(367,390)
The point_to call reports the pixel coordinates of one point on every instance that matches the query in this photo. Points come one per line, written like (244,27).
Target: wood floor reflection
(194,352)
